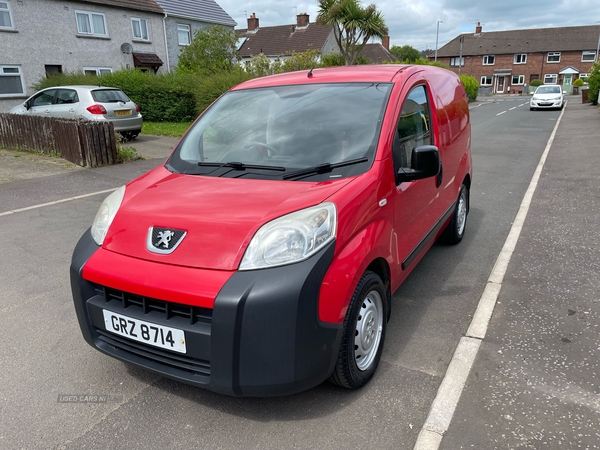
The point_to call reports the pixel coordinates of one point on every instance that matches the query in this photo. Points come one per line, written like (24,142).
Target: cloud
(414,23)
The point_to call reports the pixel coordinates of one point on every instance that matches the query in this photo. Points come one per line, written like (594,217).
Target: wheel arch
(381,267)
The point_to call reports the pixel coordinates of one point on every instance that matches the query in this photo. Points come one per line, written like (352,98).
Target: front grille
(186,364)
(192,313)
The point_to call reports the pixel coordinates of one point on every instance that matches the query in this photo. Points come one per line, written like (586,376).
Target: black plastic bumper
(263,336)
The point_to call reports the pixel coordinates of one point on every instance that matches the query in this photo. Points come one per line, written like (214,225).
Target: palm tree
(353,25)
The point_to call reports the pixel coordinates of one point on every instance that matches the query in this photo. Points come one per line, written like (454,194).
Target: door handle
(71,110)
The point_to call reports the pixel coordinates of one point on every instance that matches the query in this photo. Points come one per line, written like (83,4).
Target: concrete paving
(534,383)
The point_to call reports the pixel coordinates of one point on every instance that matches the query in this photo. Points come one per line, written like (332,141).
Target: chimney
(385,41)
(252,22)
(302,20)
(478,28)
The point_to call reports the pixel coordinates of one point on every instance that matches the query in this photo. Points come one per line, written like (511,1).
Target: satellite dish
(126,48)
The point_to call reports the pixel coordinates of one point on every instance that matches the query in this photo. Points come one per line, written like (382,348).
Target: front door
(567,82)
(417,204)
(500,88)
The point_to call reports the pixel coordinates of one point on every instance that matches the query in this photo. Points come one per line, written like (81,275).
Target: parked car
(547,96)
(261,258)
(98,103)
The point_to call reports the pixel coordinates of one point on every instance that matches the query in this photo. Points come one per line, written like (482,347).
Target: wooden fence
(85,143)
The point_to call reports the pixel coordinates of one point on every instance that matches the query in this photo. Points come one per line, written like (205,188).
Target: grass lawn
(172,129)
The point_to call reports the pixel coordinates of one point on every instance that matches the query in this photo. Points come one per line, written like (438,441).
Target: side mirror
(564,92)
(425,162)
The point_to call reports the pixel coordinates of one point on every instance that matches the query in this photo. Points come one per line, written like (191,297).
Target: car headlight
(291,238)
(534,99)
(105,215)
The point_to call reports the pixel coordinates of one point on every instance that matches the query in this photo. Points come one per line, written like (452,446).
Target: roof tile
(531,40)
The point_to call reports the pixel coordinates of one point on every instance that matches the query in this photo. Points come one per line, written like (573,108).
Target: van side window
(413,128)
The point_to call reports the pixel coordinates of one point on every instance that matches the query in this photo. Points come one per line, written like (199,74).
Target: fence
(85,143)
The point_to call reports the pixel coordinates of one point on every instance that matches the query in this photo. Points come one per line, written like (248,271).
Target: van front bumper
(262,337)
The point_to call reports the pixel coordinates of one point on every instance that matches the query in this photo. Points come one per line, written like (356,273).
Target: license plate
(123,112)
(146,332)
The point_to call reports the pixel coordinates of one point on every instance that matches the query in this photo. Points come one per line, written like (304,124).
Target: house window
(5,16)
(183,34)
(550,79)
(90,23)
(553,57)
(584,77)
(96,70)
(140,29)
(488,60)
(588,56)
(52,69)
(11,81)
(520,58)
(518,79)
(457,61)
(486,81)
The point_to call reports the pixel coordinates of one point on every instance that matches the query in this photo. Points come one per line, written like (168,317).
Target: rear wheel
(455,230)
(363,335)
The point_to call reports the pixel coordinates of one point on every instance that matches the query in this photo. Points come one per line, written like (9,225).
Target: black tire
(531,109)
(455,230)
(364,334)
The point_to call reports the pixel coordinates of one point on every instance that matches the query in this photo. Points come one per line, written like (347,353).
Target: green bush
(471,86)
(536,83)
(163,97)
(578,82)
(594,82)
(208,89)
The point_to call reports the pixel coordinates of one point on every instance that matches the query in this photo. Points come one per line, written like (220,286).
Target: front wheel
(363,335)
(455,230)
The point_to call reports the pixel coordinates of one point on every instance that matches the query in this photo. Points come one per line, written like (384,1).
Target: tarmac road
(541,391)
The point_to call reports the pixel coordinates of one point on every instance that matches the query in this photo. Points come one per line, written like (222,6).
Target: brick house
(507,61)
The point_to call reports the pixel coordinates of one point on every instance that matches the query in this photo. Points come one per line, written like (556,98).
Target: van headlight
(105,215)
(291,238)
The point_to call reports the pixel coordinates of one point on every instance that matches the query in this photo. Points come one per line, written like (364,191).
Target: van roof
(383,73)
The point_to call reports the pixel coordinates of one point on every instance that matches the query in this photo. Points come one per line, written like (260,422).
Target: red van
(261,258)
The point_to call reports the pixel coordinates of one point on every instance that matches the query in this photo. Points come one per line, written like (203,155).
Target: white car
(547,96)
(99,103)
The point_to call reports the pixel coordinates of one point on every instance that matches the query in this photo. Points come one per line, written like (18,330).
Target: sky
(414,22)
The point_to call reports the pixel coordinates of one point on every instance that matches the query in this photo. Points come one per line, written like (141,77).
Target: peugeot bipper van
(260,259)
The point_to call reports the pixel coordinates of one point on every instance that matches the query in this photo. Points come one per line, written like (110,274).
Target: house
(184,17)
(280,41)
(39,38)
(379,53)
(507,61)
(93,36)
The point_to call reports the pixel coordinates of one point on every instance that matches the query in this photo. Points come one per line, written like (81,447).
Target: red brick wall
(536,64)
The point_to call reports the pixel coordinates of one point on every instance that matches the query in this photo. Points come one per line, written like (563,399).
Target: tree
(353,25)
(406,53)
(212,50)
(594,82)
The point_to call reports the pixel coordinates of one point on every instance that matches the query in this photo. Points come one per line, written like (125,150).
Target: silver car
(98,103)
(547,96)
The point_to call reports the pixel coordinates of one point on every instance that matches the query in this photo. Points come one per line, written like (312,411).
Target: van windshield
(288,128)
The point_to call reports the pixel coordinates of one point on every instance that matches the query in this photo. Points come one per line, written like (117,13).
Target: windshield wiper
(239,166)
(322,168)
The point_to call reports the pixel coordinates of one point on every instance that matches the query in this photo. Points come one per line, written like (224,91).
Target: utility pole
(437,33)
